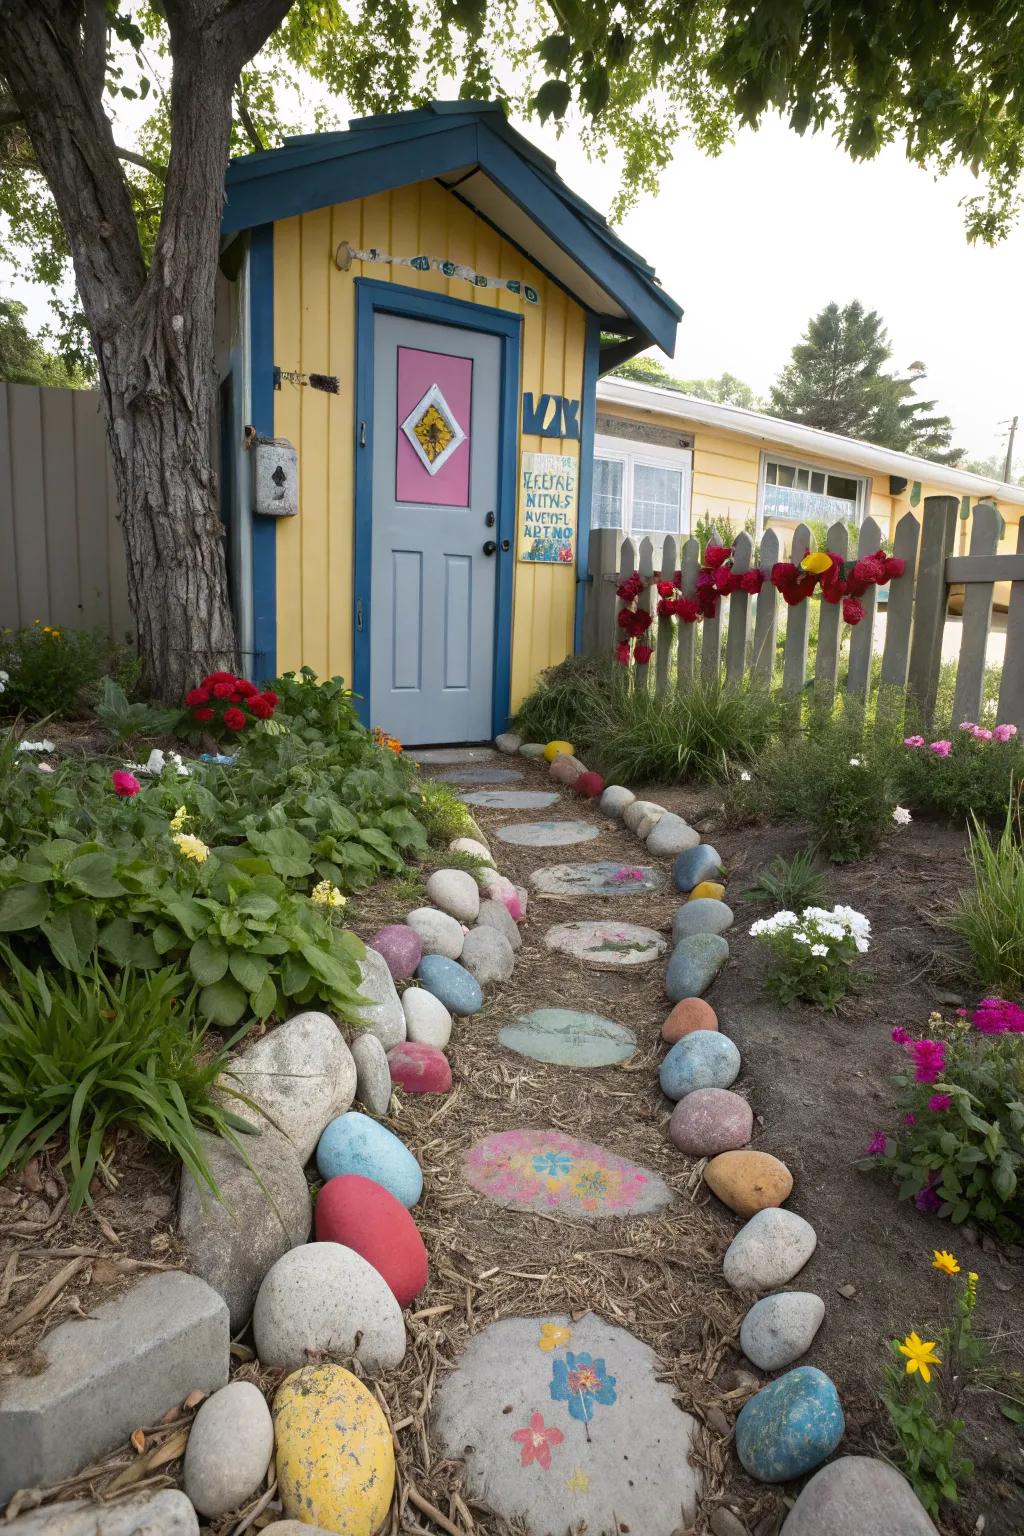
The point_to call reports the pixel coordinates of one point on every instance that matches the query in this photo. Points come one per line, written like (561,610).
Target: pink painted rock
(419,1068)
(589,785)
(566,770)
(497,888)
(401,948)
(709,1121)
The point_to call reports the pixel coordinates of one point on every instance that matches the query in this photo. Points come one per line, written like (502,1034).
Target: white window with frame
(794,492)
(641,489)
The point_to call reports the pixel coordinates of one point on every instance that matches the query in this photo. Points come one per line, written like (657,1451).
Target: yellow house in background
(666,462)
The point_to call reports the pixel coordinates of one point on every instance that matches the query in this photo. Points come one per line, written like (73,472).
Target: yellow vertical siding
(314,332)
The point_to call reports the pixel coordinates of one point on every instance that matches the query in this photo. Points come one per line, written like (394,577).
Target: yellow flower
(817,562)
(327,895)
(920,1354)
(179,819)
(945,1261)
(191,847)
(579,1482)
(553,1336)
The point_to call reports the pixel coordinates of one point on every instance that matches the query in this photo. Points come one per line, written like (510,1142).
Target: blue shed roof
(470,148)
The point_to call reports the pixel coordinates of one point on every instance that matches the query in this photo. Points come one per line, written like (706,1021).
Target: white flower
(800,938)
(5,678)
(862,946)
(832,930)
(856,762)
(155,764)
(773,924)
(901,816)
(36,746)
(45,767)
(745,776)
(819,949)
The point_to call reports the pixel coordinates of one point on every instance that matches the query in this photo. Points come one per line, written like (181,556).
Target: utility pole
(1008,466)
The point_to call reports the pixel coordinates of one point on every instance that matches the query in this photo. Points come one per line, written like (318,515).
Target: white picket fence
(740,641)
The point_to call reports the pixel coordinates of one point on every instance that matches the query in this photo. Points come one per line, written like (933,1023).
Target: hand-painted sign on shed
(548,493)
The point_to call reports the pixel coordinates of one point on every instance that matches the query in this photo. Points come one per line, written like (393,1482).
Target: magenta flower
(939,1102)
(900,1036)
(967,725)
(125,784)
(876,1146)
(927,1199)
(941,748)
(929,1059)
(981,734)
(1004,733)
(913,741)
(996,1016)
(622,875)
(910,1119)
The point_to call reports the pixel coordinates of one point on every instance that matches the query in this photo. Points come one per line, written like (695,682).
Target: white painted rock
(642,816)
(615,799)
(383,1016)
(532,749)
(440,934)
(319,1298)
(302,1074)
(488,956)
(671,835)
(473,846)
(508,741)
(456,893)
(427,1020)
(769,1250)
(373,1075)
(855,1496)
(495,914)
(229,1449)
(167,1513)
(779,1329)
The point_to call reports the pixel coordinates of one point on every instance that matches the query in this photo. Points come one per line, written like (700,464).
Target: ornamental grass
(990,917)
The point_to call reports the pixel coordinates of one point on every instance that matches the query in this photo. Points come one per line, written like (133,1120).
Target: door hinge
(362,434)
(359,615)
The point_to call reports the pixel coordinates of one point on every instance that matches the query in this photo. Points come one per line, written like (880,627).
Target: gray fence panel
(686,643)
(644,605)
(711,636)
(858,678)
(663,647)
(900,608)
(1011,689)
(826,663)
(930,597)
(977,620)
(766,618)
(738,634)
(798,618)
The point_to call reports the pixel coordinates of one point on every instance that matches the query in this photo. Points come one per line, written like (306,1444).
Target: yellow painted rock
(748,1182)
(558,749)
(713,888)
(335,1458)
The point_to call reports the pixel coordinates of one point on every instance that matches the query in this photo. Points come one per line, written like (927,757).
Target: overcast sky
(753,243)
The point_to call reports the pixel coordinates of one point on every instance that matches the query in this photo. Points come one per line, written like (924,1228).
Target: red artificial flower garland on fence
(844,581)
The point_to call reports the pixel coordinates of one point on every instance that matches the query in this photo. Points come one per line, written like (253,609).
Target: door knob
(490,547)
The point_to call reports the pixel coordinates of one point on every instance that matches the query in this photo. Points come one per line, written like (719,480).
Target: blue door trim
(588,421)
(261,390)
(373,298)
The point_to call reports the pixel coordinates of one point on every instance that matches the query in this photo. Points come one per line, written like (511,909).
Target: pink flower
(125,784)
(980,734)
(941,748)
(929,1059)
(1004,733)
(967,725)
(939,1101)
(926,1199)
(913,741)
(620,876)
(900,1036)
(876,1146)
(910,1119)
(537,1441)
(995,1016)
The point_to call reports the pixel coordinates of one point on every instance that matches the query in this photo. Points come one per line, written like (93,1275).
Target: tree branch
(245,118)
(153,166)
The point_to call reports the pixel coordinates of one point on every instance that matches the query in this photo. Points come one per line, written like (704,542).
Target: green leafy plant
(124,720)
(442,814)
(789,883)
(54,671)
(85,1055)
(813,955)
(990,918)
(972,778)
(316,710)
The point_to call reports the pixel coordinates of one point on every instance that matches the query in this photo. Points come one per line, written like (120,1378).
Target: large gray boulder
(301,1074)
(383,1014)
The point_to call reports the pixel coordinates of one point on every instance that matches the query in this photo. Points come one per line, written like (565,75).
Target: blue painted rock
(709,1121)
(792,1425)
(451,982)
(401,947)
(704,915)
(705,1059)
(419,1068)
(854,1494)
(354,1143)
(694,964)
(695,865)
(365,1217)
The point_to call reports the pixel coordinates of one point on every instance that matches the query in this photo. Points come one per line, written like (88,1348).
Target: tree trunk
(153,332)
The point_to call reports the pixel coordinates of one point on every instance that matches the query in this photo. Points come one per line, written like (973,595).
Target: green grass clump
(562,706)
(789,883)
(671,738)
(441,814)
(990,918)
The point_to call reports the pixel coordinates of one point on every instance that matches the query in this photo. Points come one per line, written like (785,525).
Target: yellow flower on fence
(920,1355)
(816,563)
(191,847)
(945,1261)
(324,894)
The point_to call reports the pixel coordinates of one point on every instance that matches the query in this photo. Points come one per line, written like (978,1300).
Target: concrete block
(167,1513)
(108,1374)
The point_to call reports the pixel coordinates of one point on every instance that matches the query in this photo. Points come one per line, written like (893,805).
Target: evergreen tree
(838,380)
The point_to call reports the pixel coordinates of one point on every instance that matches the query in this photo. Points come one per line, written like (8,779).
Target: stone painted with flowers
(560,1421)
(748,1182)
(792,1425)
(545,1170)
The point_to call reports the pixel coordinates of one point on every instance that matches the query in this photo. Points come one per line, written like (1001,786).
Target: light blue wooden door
(436,400)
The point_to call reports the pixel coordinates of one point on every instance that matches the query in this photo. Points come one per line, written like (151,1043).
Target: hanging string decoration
(346,254)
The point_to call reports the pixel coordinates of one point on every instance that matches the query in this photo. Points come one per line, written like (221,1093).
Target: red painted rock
(566,770)
(419,1068)
(709,1121)
(692,1013)
(366,1217)
(401,947)
(589,785)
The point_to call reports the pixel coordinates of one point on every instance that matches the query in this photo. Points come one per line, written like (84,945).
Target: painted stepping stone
(546,834)
(512,799)
(569,1039)
(605,878)
(608,946)
(452,755)
(562,1423)
(480,776)
(531,1170)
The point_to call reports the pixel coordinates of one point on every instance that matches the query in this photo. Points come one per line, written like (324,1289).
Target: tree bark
(152,331)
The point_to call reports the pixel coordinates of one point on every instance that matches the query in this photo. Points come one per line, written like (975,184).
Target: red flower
(666,607)
(723,579)
(223,690)
(261,707)
(665,588)
(234,719)
(202,714)
(125,784)
(630,589)
(751,581)
(853,611)
(197,696)
(625,618)
(894,567)
(715,554)
(622,652)
(271,698)
(218,677)
(245,689)
(538,1441)
(687,609)
(642,653)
